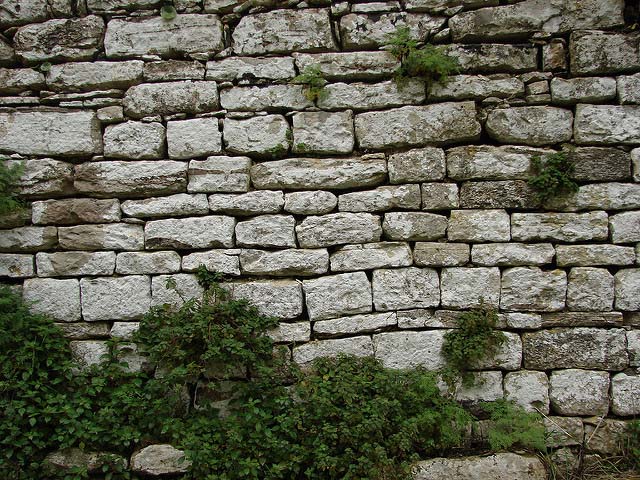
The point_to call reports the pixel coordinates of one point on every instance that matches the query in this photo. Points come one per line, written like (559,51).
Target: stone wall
(367,222)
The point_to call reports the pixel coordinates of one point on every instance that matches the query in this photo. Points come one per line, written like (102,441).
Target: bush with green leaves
(552,176)
(313,82)
(9,176)
(511,427)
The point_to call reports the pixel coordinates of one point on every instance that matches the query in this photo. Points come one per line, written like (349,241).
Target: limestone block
(470,287)
(323,132)
(140,263)
(582,347)
(633,345)
(579,392)
(160,460)
(337,295)
(117,298)
(371,255)
(606,438)
(100,6)
(435,254)
(628,86)
(223,261)
(76,458)
(219,174)
(16,265)
(440,196)
(79,76)
(593,52)
(7,53)
(532,289)
(593,255)
(625,227)
(72,264)
(512,254)
(261,136)
(485,387)
(197,137)
(417,165)
(68,40)
(349,65)
(274,298)
(251,70)
(371,322)
(404,288)
(414,226)
(28,239)
(500,466)
(282,31)
(134,140)
(582,90)
(410,349)
(582,319)
(174,289)
(590,289)
(51,132)
(436,6)
(563,431)
(178,205)
(486,162)
(310,203)
(185,34)
(250,203)
(627,288)
(624,394)
(476,87)
(563,227)
(537,126)
(107,236)
(479,226)
(435,124)
(270,98)
(188,233)
(600,163)
(523,321)
(492,58)
(20,12)
(110,114)
(381,199)
(16,80)
(528,389)
(75,210)
(512,194)
(635,158)
(337,229)
(356,346)
(283,263)
(170,70)
(371,96)
(268,231)
(131,179)
(44,178)
(605,124)
(86,353)
(171,97)
(58,299)
(291,332)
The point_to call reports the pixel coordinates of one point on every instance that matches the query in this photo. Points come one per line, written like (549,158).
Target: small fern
(313,81)
(552,176)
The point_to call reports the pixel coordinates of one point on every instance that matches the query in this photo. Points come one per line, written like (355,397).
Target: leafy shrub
(513,427)
(168,11)
(9,176)
(552,177)
(313,81)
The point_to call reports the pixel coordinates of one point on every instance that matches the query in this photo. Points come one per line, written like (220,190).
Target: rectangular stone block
(511,194)
(250,203)
(219,174)
(75,210)
(270,98)
(118,298)
(297,332)
(267,231)
(368,256)
(44,178)
(275,298)
(188,233)
(251,70)
(74,264)
(410,349)
(593,52)
(417,165)
(366,323)
(17,80)
(186,287)
(337,295)
(532,289)
(485,162)
(628,86)
(283,263)
(315,202)
(264,136)
(381,199)
(356,346)
(606,196)
(475,87)
(440,196)
(563,227)
(627,287)
(594,255)
(590,289)
(512,254)
(493,58)
(581,319)
(582,90)
(606,124)
(178,205)
(170,70)
(16,265)
(171,97)
(371,96)
(337,229)
(72,77)
(140,263)
(110,236)
(134,140)
(404,288)
(600,164)
(21,12)
(579,392)
(536,126)
(58,299)
(414,226)
(463,288)
(479,226)
(223,261)
(435,254)
(28,239)
(198,137)
(323,132)
(349,65)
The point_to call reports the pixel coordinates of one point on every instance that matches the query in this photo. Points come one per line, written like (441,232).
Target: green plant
(512,427)
(313,81)
(552,176)
(45,67)
(9,176)
(631,445)
(168,11)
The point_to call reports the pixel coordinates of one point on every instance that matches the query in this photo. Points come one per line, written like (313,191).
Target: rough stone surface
(58,299)
(310,203)
(583,90)
(366,323)
(251,70)
(337,229)
(435,254)
(624,394)
(594,255)
(75,210)
(403,288)
(250,203)
(381,199)
(178,205)
(169,70)
(44,178)
(160,460)
(187,233)
(528,389)
(28,239)
(270,98)
(530,125)
(118,298)
(414,226)
(594,52)
(512,254)
(276,298)
(531,289)
(410,349)
(297,332)
(470,287)
(193,138)
(590,289)
(137,263)
(19,80)
(579,392)
(476,87)
(223,261)
(486,162)
(440,196)
(370,256)
(628,86)
(604,439)
(107,236)
(349,65)
(262,136)
(63,264)
(512,194)
(418,165)
(323,132)
(81,76)
(135,140)
(293,262)
(357,346)
(86,353)
(219,174)
(625,227)
(501,466)
(186,287)
(600,163)
(627,287)
(16,265)
(604,124)
(337,295)
(363,96)
(270,231)
(171,97)
(491,58)
(479,226)
(563,431)
(563,227)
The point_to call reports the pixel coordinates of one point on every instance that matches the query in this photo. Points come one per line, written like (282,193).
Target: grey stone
(405,288)
(180,204)
(337,229)
(251,70)
(624,394)
(581,255)
(134,140)
(75,210)
(606,124)
(633,346)
(21,12)
(590,289)
(627,289)
(440,196)
(435,6)
(337,295)
(594,52)
(118,298)
(51,132)
(291,332)
(65,40)
(438,123)
(435,254)
(371,255)
(14,81)
(579,392)
(269,231)
(65,264)
(635,158)
(16,265)
(512,254)
(112,114)
(261,136)
(250,203)
(563,227)
(563,431)
(220,6)
(282,263)
(160,460)
(414,226)
(604,436)
(418,165)
(223,261)
(188,233)
(131,179)
(366,323)
(582,319)
(531,289)
(479,226)
(108,236)
(58,299)
(219,174)
(484,387)
(101,6)
(86,353)
(491,163)
(170,97)
(369,96)
(500,466)
(185,34)
(323,132)
(7,53)
(512,194)
(581,347)
(410,349)
(535,126)
(599,164)
(628,86)
(270,98)
(554,55)
(470,287)
(492,58)
(582,90)
(310,203)
(381,199)
(170,70)
(625,227)
(282,31)
(349,65)
(28,239)
(137,263)
(523,321)
(356,346)
(174,289)
(476,87)
(197,137)
(528,389)
(93,462)
(44,178)
(274,298)
(71,77)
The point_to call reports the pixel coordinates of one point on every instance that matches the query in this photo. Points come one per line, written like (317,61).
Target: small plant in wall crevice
(168,11)
(552,176)
(313,82)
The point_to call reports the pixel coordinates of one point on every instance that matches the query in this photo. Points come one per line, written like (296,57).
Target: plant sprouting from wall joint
(313,82)
(552,176)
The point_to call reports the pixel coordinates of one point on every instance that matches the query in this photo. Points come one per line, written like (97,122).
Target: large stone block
(582,90)
(563,227)
(624,394)
(440,196)
(349,65)
(275,298)
(600,164)
(71,77)
(178,205)
(323,132)
(628,86)
(121,298)
(581,319)
(107,236)
(370,322)
(21,12)
(595,255)
(493,58)
(251,70)
(189,233)
(174,289)
(531,289)
(170,70)
(414,226)
(356,346)
(417,165)
(627,288)
(28,239)
(436,254)
(593,52)
(337,295)
(250,203)
(512,254)
(44,178)
(50,132)
(197,137)
(368,256)
(486,162)
(470,287)
(297,332)
(625,227)
(75,210)
(404,288)
(371,96)
(219,174)
(16,265)
(381,199)
(590,289)
(512,194)
(267,231)
(270,98)
(606,124)
(73,264)
(479,226)
(579,392)
(410,349)
(261,136)
(535,126)
(134,140)
(223,261)
(171,97)
(158,460)
(140,263)
(528,389)
(87,353)
(284,263)
(500,466)
(476,87)
(16,80)
(59,299)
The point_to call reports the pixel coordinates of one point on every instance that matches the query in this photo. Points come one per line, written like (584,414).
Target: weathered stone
(310,203)
(51,132)
(131,179)
(137,263)
(219,174)
(185,34)
(134,140)
(512,254)
(115,5)
(594,52)
(512,194)
(187,233)
(93,462)
(118,298)
(86,353)
(524,321)
(533,289)
(16,218)
(58,299)
(63,264)
(174,289)
(625,227)
(251,70)
(72,77)
(16,265)
(75,210)
(483,387)
(440,196)
(479,226)
(112,114)
(491,163)
(624,394)
(293,262)
(282,31)
(66,40)
(582,347)
(21,12)
(370,256)
(410,349)
(381,199)
(414,226)
(337,295)
(438,123)
(369,96)
(435,6)
(605,124)
(110,236)
(193,138)
(261,136)
(181,204)
(554,55)
(274,298)
(470,287)
(599,164)
(627,288)
(440,254)
(423,318)
(633,346)
(223,261)
(271,98)
(522,19)
(171,97)
(590,289)
(530,125)
(7,53)
(581,255)
(44,178)
(323,132)
(250,203)
(268,231)
(160,460)
(356,346)
(404,288)
(14,81)
(628,86)
(337,229)
(476,87)
(366,323)
(604,436)
(528,389)
(170,70)
(418,165)
(291,332)
(582,319)
(500,466)
(563,227)
(490,58)
(579,392)
(635,158)
(563,431)
(582,90)
(349,65)
(28,239)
